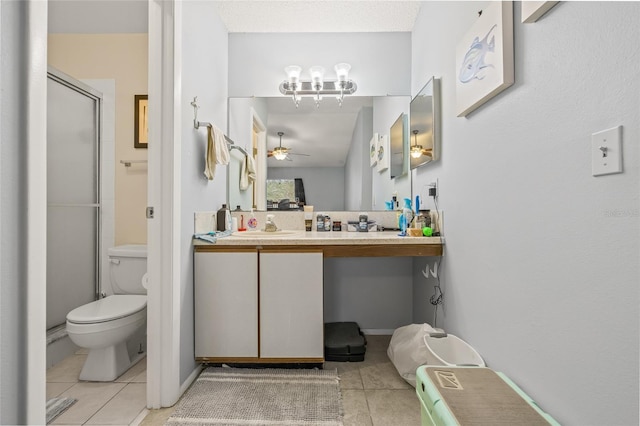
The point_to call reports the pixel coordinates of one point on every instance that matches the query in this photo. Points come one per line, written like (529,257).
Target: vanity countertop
(332,244)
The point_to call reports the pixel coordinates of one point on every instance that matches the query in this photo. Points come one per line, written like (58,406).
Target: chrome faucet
(270,225)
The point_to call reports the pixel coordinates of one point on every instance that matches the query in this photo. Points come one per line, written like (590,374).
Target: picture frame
(484,58)
(141,125)
(382,148)
(533,10)
(373,150)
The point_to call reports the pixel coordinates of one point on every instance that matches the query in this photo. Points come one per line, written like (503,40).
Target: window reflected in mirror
(285,194)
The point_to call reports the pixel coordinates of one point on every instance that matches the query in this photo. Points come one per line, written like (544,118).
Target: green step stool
(474,396)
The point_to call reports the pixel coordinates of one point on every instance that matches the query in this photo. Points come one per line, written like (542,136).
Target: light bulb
(317,73)
(279,155)
(416,151)
(342,70)
(293,73)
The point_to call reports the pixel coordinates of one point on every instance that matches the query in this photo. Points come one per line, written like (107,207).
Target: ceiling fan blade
(295,153)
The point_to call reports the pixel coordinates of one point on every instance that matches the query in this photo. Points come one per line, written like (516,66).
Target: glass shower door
(73,208)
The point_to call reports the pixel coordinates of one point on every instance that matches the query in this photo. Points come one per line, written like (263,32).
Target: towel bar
(128,163)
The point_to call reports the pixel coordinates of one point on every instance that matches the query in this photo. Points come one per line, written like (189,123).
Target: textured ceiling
(269,16)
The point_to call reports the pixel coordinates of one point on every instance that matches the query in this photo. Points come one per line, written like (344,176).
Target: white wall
(357,185)
(203,74)
(375,292)
(541,258)
(323,186)
(381,62)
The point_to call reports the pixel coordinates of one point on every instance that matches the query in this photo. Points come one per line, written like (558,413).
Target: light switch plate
(606,152)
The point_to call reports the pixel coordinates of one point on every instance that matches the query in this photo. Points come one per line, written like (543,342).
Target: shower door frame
(88,91)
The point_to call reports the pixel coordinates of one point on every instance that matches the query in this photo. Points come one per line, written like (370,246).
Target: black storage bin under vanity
(343,341)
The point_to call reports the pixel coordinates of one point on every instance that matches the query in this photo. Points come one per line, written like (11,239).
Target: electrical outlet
(433,186)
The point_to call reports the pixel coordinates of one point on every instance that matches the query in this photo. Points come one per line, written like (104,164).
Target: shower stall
(73,201)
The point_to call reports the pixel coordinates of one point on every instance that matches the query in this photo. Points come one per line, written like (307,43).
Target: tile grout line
(102,406)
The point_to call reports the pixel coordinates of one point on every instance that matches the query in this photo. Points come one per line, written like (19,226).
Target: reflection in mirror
(285,194)
(328,149)
(399,158)
(424,128)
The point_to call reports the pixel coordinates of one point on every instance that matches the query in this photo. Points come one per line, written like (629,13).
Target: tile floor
(373,393)
(115,403)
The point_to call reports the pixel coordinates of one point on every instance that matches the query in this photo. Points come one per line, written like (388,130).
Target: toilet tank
(127,266)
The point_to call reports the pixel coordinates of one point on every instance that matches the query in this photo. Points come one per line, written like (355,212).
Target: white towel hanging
(217,151)
(247,172)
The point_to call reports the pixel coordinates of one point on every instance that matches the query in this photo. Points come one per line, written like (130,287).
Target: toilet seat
(108,309)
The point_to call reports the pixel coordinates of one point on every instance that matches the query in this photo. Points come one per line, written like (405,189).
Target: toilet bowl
(450,350)
(113,328)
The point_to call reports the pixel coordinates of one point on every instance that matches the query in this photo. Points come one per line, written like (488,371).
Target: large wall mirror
(326,148)
(424,128)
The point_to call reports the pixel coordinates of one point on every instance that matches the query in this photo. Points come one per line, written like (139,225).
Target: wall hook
(195,111)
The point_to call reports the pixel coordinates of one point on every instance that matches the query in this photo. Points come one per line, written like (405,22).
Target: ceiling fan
(282,153)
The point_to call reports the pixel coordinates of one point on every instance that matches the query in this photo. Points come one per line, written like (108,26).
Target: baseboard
(378,331)
(59,350)
(194,375)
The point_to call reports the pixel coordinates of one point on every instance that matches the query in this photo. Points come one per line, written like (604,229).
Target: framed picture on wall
(373,150)
(533,10)
(141,126)
(484,58)
(383,153)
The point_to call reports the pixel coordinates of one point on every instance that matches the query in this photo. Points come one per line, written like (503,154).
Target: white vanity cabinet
(259,306)
(291,308)
(226,304)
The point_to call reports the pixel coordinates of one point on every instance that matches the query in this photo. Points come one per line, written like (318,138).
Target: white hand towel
(222,150)
(247,172)
(217,151)
(210,156)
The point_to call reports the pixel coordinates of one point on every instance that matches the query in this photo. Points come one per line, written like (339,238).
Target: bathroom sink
(265,234)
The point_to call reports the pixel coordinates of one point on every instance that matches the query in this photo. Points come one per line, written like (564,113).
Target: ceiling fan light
(416,151)
(342,71)
(279,155)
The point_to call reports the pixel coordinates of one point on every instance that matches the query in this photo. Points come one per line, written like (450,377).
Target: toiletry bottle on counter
(363,222)
(223,218)
(252,223)
(320,222)
(327,223)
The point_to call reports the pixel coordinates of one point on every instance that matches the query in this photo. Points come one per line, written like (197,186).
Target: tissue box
(353,226)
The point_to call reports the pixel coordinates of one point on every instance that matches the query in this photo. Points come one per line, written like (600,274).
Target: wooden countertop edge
(332,250)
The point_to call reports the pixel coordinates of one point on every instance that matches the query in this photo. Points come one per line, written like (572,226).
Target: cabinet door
(291,322)
(226,304)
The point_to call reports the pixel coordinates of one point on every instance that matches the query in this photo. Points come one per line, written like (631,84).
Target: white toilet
(114,328)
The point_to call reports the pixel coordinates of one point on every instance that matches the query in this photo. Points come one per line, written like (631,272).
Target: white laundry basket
(451,351)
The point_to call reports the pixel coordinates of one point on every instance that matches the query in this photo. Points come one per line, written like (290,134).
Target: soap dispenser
(252,223)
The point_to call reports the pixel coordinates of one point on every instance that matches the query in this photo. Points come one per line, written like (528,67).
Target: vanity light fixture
(317,87)
(416,150)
